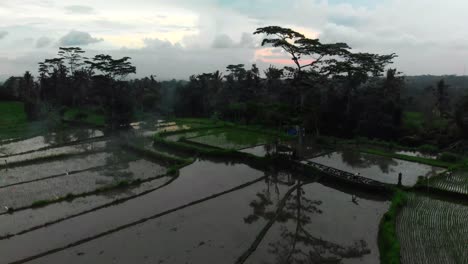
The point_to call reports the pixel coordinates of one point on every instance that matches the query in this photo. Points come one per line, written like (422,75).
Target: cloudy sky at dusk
(177,38)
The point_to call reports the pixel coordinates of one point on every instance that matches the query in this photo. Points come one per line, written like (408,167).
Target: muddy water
(215,231)
(307,149)
(378,168)
(35,143)
(228,140)
(27,219)
(196,181)
(25,195)
(17,175)
(75,149)
(150,128)
(259,151)
(331,227)
(220,230)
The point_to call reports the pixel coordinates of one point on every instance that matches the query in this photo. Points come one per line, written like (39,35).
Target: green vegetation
(426,148)
(41,203)
(223,133)
(432,231)
(12,113)
(85,116)
(413,121)
(231,154)
(14,123)
(431,162)
(200,124)
(45,159)
(454,182)
(156,155)
(70,197)
(389,148)
(233,139)
(449,157)
(172,172)
(388,241)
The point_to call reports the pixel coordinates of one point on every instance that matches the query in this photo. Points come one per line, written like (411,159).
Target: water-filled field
(378,168)
(96,201)
(233,139)
(214,212)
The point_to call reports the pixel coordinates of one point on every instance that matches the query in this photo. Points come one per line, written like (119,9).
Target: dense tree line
(336,92)
(72,80)
(328,90)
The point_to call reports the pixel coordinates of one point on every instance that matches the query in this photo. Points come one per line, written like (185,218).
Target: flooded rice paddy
(433,231)
(233,139)
(54,138)
(378,168)
(456,182)
(218,211)
(212,211)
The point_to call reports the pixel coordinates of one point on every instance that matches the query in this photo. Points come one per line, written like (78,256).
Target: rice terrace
(204,190)
(253,144)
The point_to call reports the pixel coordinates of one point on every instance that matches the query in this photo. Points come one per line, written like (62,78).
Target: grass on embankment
(172,171)
(223,154)
(389,245)
(431,162)
(85,116)
(14,122)
(205,122)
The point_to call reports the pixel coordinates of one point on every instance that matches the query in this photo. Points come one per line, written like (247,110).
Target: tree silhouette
(73,56)
(442,100)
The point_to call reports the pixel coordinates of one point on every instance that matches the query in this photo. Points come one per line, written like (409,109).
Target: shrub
(388,241)
(428,148)
(40,203)
(448,157)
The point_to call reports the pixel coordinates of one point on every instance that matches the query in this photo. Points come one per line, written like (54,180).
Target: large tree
(113,93)
(316,64)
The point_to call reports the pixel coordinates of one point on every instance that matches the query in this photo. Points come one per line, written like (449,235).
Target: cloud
(247,41)
(222,41)
(79,9)
(78,38)
(43,42)
(190,36)
(3,34)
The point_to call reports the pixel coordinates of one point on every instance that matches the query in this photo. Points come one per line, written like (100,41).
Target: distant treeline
(328,90)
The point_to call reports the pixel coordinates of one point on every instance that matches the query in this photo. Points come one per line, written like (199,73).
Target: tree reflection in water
(293,213)
(360,160)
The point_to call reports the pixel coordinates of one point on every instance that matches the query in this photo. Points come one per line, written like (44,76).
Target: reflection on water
(416,154)
(233,139)
(151,127)
(260,151)
(307,149)
(197,181)
(306,223)
(55,138)
(318,224)
(377,168)
(81,182)
(283,217)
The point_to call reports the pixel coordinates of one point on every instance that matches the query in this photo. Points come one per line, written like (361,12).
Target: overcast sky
(178,38)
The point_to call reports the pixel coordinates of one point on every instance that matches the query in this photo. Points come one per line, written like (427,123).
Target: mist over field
(217,131)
